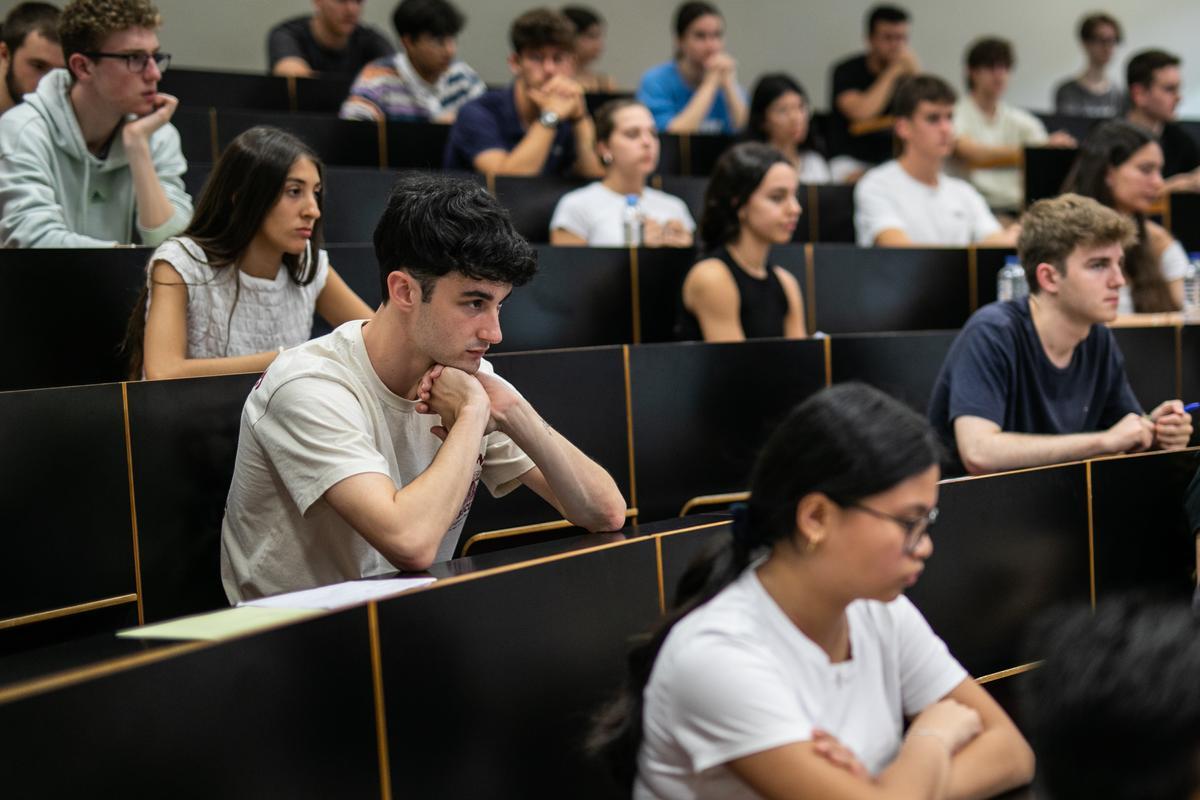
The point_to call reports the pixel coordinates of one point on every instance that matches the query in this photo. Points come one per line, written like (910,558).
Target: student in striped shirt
(424,82)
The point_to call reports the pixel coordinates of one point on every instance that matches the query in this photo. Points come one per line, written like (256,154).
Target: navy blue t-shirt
(491,122)
(997,369)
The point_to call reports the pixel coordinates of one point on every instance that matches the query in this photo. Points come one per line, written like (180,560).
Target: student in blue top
(1041,380)
(698,91)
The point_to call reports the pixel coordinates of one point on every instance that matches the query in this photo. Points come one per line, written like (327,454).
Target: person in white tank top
(240,284)
(793,660)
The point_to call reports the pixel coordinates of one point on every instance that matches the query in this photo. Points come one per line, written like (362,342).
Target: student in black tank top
(734,293)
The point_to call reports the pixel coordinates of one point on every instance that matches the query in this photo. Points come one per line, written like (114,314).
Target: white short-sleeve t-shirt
(230,313)
(737,677)
(1173,264)
(596,213)
(951,214)
(318,415)
(1008,127)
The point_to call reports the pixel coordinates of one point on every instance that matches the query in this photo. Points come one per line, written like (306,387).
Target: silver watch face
(548,118)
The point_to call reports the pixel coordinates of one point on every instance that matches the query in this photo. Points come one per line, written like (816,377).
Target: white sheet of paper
(340,595)
(218,624)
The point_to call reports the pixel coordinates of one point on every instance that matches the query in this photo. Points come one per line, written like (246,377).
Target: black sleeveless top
(763,305)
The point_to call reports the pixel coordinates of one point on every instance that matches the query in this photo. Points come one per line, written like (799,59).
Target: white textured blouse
(230,313)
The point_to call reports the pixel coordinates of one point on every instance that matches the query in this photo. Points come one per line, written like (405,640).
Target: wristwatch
(549,119)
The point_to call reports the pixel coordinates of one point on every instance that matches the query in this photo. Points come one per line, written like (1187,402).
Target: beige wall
(801,37)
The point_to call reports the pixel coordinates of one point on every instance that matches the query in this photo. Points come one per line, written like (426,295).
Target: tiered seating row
(148,464)
(483,684)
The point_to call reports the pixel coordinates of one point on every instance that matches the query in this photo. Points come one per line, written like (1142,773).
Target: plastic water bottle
(631,221)
(1010,281)
(1191,289)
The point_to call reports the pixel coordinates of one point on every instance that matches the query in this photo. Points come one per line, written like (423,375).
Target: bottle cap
(631,199)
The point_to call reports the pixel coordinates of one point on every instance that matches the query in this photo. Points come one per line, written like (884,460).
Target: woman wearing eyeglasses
(793,660)
(91,159)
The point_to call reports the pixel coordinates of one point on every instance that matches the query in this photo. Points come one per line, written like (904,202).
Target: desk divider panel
(284,713)
(904,365)
(1185,219)
(861,290)
(531,201)
(323,94)
(582,394)
(416,145)
(196,87)
(681,550)
(195,126)
(659,275)
(1142,541)
(1149,362)
(835,212)
(64,491)
(491,683)
(183,435)
(688,188)
(1189,353)
(988,263)
(357,266)
(701,412)
(1045,170)
(998,562)
(355,198)
(337,141)
(580,297)
(92,293)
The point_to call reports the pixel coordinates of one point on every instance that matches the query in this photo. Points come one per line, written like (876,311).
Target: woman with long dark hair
(1120,164)
(780,116)
(241,282)
(735,293)
(793,659)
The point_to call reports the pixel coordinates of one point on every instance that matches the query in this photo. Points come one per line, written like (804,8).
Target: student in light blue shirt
(697,92)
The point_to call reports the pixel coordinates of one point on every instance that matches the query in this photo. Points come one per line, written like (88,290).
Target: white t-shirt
(814,168)
(596,213)
(1009,127)
(1173,264)
(318,415)
(951,214)
(737,677)
(230,313)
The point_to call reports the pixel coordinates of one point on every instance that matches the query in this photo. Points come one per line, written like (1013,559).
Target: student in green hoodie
(91,158)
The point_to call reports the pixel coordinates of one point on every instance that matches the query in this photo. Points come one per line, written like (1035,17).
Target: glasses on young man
(137,62)
(914,529)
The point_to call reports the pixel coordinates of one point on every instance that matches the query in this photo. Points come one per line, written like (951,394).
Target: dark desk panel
(202,88)
(354,201)
(92,293)
(691,153)
(1149,363)
(860,290)
(286,713)
(701,412)
(1005,548)
(681,550)
(580,297)
(491,683)
(184,437)
(337,141)
(323,94)
(1185,219)
(65,498)
(1045,170)
(988,263)
(531,201)
(688,188)
(582,394)
(835,213)
(195,178)
(357,266)
(905,365)
(660,277)
(1190,355)
(416,145)
(1079,127)
(194,124)
(1142,541)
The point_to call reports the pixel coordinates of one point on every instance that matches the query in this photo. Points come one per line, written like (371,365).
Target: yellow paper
(219,624)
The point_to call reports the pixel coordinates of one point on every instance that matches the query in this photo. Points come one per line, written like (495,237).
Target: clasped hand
(445,391)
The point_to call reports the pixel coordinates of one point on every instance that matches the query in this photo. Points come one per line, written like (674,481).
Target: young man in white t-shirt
(359,452)
(992,134)
(909,201)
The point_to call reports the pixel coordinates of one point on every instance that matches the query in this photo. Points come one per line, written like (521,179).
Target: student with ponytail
(242,282)
(793,659)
